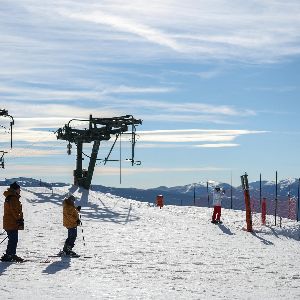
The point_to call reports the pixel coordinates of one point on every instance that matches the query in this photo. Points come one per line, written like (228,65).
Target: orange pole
(248,211)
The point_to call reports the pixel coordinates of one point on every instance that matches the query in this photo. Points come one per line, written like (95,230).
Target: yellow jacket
(70,214)
(12,211)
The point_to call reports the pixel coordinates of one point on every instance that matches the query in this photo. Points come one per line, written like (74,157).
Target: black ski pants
(12,242)
(72,235)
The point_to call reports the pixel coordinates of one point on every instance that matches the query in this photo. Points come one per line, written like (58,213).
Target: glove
(78,207)
(20,223)
(78,222)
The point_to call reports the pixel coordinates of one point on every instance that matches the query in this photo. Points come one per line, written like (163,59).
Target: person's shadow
(264,241)
(4,266)
(225,229)
(56,266)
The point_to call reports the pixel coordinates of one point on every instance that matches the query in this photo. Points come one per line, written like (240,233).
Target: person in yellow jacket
(70,221)
(12,221)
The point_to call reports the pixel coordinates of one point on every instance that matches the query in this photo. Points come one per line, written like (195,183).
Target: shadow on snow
(63,264)
(93,211)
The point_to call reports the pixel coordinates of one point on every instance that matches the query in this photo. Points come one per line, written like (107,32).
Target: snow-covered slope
(143,252)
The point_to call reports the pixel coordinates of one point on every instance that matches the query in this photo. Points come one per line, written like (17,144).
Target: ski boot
(72,254)
(17,258)
(6,257)
(11,258)
(67,251)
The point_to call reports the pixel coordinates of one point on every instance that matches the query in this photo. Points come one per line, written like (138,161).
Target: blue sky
(216,84)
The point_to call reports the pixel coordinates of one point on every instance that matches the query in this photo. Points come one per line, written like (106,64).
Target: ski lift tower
(99,129)
(4,113)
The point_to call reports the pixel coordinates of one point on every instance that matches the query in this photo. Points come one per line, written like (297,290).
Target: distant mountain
(199,194)
(30,182)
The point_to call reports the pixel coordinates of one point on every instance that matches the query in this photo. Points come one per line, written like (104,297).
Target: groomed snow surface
(139,251)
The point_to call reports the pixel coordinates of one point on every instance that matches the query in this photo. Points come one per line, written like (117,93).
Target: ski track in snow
(143,252)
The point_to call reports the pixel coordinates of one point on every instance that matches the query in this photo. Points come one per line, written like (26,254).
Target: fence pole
(298,200)
(245,185)
(260,189)
(230,190)
(207,193)
(276,198)
(263,211)
(194,195)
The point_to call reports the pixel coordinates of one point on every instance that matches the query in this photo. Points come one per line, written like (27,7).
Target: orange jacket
(12,211)
(70,214)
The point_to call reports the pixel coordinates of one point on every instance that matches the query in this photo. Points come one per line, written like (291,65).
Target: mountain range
(199,194)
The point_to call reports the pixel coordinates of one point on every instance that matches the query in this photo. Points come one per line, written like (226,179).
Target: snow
(142,252)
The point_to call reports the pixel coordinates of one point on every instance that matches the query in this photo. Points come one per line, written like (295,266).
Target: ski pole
(4,239)
(82,231)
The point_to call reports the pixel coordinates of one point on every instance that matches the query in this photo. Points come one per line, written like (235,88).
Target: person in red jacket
(70,221)
(12,221)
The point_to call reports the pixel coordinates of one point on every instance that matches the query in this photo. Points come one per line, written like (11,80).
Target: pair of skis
(48,260)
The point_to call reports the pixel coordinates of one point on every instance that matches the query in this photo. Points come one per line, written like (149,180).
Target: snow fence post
(298,200)
(245,185)
(263,211)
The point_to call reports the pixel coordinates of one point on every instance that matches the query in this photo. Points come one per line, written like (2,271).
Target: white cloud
(31,152)
(194,136)
(218,145)
(36,94)
(266,30)
(136,90)
(129,26)
(29,170)
(185,111)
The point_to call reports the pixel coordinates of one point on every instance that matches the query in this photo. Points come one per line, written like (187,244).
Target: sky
(216,84)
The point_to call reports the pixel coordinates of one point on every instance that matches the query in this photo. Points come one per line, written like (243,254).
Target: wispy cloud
(264,31)
(195,136)
(26,152)
(136,90)
(186,111)
(218,145)
(124,24)
(261,32)
(39,94)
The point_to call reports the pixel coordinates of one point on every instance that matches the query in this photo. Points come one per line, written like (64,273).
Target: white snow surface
(139,251)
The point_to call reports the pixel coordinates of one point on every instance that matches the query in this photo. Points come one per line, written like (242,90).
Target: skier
(217,203)
(70,221)
(12,221)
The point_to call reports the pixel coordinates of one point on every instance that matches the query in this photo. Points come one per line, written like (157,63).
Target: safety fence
(284,207)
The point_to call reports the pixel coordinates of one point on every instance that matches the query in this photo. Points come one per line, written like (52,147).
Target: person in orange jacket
(13,221)
(70,221)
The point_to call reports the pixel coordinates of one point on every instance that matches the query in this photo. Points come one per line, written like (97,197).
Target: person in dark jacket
(13,221)
(70,221)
